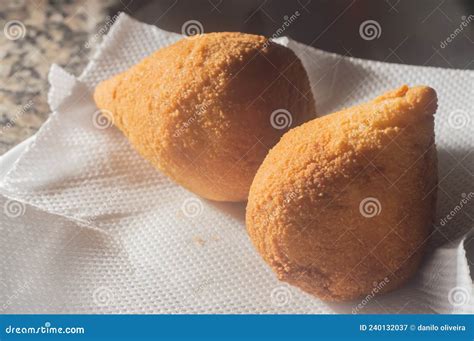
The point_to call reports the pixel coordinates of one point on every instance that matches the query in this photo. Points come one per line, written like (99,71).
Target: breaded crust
(344,203)
(199,110)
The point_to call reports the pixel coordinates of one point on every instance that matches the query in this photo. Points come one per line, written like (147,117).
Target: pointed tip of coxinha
(401,107)
(421,98)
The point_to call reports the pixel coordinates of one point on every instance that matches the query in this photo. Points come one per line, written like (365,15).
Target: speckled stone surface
(36,34)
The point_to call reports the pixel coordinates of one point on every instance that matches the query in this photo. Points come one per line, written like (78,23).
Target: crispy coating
(342,206)
(199,110)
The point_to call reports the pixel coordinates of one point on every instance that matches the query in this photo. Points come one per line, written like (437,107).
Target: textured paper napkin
(90,227)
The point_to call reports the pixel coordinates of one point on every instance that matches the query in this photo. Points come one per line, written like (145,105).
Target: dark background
(411,30)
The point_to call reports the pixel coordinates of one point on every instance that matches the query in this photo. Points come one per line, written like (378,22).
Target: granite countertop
(36,34)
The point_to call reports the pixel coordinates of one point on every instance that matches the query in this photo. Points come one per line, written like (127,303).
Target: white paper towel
(88,226)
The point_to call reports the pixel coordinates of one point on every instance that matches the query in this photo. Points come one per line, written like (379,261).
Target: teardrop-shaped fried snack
(201,109)
(343,205)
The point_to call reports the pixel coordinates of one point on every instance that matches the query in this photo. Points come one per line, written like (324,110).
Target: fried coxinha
(202,110)
(343,205)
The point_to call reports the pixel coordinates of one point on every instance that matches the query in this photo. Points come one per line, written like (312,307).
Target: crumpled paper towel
(88,226)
